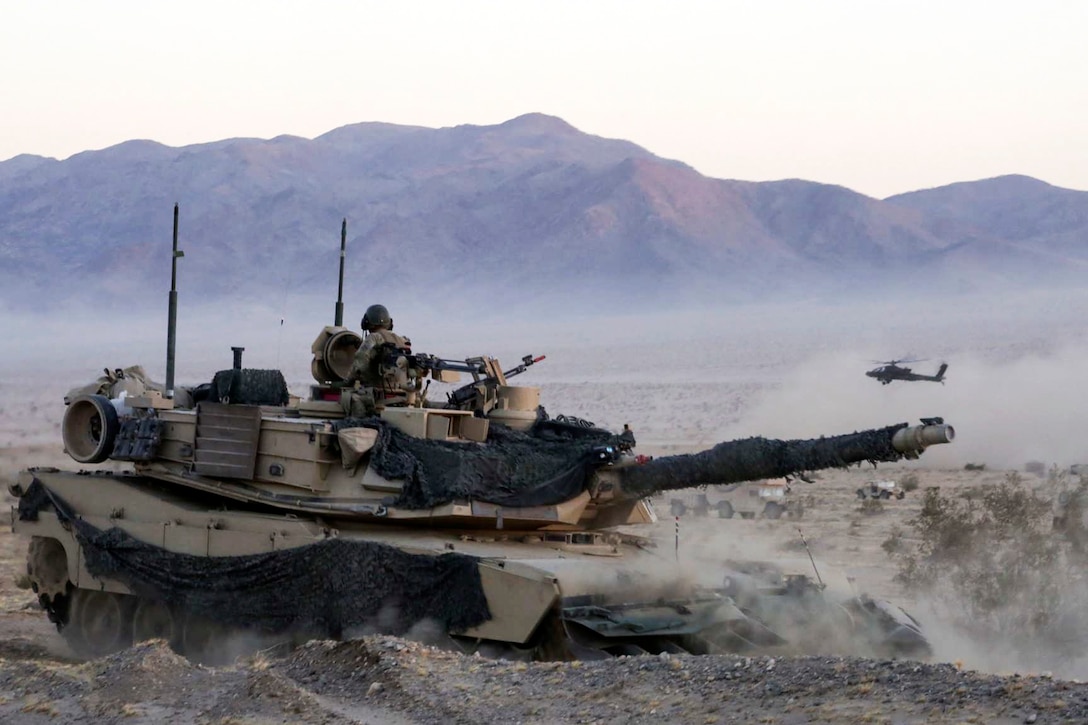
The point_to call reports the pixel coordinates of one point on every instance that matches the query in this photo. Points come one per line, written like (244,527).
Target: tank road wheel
(154,620)
(47,567)
(98,622)
(89,428)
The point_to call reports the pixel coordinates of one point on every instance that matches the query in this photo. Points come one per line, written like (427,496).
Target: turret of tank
(476,518)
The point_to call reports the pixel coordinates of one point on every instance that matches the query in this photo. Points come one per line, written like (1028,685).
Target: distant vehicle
(882,490)
(768,499)
(890,370)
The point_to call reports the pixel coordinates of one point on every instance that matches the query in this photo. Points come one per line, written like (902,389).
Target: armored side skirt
(129,535)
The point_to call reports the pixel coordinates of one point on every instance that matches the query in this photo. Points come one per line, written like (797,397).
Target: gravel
(389,680)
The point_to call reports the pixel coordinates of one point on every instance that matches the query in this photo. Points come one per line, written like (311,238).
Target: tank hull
(554,595)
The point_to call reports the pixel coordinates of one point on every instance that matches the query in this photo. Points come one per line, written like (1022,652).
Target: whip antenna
(172,316)
(339,322)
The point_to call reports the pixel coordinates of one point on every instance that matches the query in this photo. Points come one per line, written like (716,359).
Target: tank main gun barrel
(753,459)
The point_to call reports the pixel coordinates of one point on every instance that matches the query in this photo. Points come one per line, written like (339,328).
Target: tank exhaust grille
(226,440)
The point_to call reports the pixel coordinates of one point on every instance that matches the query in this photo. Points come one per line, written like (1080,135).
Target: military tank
(243,512)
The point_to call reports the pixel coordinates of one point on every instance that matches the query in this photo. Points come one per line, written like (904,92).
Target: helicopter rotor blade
(896,362)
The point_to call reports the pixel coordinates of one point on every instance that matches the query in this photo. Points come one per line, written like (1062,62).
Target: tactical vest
(377,366)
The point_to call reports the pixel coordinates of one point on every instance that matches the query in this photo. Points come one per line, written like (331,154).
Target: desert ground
(1012,394)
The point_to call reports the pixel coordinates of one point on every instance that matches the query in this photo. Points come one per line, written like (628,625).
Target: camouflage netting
(542,467)
(248,386)
(325,588)
(753,459)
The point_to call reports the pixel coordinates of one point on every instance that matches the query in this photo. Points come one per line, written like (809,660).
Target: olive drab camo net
(544,466)
(752,459)
(325,588)
(249,386)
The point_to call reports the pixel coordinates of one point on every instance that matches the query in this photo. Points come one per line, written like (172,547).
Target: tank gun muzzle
(753,459)
(912,440)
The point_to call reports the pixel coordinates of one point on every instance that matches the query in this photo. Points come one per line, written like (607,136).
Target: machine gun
(426,363)
(403,371)
(486,377)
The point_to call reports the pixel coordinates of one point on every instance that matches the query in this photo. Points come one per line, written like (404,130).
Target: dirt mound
(390,680)
(337,668)
(432,686)
(149,680)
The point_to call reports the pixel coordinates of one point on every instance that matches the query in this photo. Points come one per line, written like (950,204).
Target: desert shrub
(1000,568)
(1071,512)
(894,543)
(971,493)
(975,467)
(871,507)
(909,482)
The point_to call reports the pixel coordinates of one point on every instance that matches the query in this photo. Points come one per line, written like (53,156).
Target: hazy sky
(876,95)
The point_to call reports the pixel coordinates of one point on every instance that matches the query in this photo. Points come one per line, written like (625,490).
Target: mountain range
(530,209)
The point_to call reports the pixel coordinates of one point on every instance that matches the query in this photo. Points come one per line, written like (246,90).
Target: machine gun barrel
(466,393)
(752,459)
(423,361)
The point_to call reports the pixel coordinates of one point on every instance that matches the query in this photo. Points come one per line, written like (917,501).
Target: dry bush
(909,482)
(1071,513)
(871,507)
(1001,568)
(894,544)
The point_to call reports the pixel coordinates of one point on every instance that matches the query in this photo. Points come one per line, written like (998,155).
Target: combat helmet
(375,317)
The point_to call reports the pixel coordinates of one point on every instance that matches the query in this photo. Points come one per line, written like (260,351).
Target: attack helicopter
(890,370)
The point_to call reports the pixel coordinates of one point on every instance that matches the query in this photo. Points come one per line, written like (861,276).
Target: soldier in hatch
(381,383)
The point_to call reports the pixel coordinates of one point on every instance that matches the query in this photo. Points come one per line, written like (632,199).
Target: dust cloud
(985,652)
